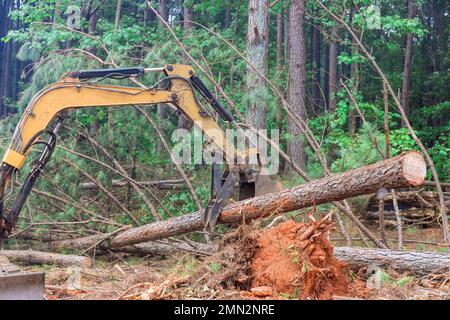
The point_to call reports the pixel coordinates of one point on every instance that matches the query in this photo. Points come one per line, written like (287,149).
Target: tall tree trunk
(188,17)
(333,67)
(118,15)
(228,14)
(15,61)
(163,12)
(92,29)
(110,111)
(326,74)
(408,61)
(6,60)
(15,71)
(161,108)
(297,81)
(257,48)
(149,15)
(279,59)
(236,18)
(279,41)
(355,78)
(316,65)
(286,36)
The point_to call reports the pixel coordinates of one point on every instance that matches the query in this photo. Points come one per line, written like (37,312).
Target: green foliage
(401,141)
(215,267)
(52,50)
(404,281)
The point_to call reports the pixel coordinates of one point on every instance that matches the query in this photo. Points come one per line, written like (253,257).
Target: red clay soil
(296,260)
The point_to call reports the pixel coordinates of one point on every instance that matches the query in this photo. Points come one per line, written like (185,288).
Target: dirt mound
(296,260)
(291,260)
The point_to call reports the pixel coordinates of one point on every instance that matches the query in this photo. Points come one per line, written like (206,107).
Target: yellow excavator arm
(50,106)
(71,93)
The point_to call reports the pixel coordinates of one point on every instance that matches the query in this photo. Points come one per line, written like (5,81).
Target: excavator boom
(45,114)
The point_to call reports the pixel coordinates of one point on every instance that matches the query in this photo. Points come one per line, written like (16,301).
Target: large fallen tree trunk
(38,257)
(158,184)
(419,263)
(406,170)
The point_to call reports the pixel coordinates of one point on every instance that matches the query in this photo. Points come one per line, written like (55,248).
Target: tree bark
(406,170)
(92,30)
(297,82)
(5,63)
(257,47)
(279,61)
(355,78)
(38,257)
(164,247)
(279,41)
(286,36)
(188,17)
(419,263)
(110,111)
(118,15)
(161,108)
(236,18)
(15,61)
(315,88)
(406,84)
(333,66)
(163,12)
(92,27)
(326,75)
(228,14)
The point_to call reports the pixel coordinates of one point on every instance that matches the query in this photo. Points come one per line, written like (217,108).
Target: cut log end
(414,168)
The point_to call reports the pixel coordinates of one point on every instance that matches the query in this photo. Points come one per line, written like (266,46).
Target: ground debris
(291,260)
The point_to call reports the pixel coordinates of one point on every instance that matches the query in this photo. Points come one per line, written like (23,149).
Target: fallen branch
(158,184)
(38,257)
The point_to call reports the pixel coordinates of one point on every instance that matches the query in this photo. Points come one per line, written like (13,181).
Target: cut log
(406,170)
(432,183)
(417,262)
(164,247)
(158,184)
(413,215)
(38,257)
